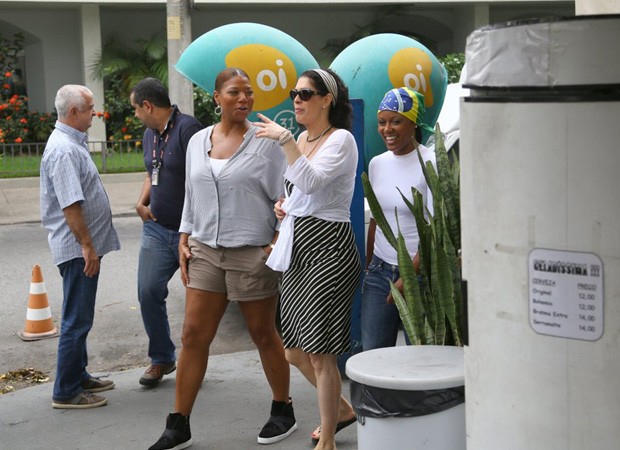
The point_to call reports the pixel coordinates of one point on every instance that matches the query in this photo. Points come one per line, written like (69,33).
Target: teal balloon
(373,65)
(273,60)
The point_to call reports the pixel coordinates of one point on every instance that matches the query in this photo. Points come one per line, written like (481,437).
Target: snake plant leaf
(424,168)
(423,227)
(417,210)
(455,223)
(456,173)
(411,288)
(447,289)
(432,179)
(377,212)
(439,293)
(424,251)
(449,190)
(406,315)
(430,308)
(457,304)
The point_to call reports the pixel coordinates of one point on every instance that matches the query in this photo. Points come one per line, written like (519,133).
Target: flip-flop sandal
(339,426)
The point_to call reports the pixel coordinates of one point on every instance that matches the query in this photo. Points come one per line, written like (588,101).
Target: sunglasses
(304,94)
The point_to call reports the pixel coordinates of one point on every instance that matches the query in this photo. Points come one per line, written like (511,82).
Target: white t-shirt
(388,173)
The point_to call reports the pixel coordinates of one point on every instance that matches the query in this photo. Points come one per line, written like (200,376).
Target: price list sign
(566,294)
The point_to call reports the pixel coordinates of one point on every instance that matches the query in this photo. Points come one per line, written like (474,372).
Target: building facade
(63,38)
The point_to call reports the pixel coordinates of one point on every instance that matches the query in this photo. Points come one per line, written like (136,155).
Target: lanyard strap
(157,162)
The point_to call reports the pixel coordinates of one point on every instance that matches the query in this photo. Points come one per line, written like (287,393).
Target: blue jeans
(78,313)
(380,320)
(157,263)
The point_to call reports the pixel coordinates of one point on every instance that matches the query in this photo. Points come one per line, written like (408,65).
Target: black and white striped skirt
(318,288)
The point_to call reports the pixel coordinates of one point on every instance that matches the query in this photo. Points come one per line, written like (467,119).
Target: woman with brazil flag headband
(400,119)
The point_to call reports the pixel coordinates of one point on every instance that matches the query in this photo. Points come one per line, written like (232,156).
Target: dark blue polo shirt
(167,197)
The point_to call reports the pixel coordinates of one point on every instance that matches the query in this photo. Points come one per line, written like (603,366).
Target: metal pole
(179,26)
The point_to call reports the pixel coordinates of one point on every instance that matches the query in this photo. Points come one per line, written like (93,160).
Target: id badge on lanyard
(157,163)
(155,176)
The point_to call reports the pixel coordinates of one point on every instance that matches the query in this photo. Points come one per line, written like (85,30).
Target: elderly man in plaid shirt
(76,211)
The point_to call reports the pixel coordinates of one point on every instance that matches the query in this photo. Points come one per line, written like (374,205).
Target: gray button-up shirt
(68,175)
(235,208)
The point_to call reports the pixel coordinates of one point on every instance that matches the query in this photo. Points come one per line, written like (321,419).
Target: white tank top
(217,165)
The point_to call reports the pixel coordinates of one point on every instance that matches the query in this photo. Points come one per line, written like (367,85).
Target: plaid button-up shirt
(68,175)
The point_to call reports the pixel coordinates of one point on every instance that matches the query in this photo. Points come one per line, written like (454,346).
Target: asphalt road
(117,340)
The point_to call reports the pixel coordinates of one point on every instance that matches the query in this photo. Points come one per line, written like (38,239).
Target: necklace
(320,135)
(316,140)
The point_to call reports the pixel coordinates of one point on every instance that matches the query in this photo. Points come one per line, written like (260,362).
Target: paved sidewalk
(232,406)
(19,197)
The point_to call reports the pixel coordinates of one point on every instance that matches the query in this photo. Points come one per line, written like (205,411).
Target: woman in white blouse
(316,248)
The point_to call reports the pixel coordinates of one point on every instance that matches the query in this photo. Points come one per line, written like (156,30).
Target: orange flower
(13,100)
(106,115)
(8,74)
(23,120)
(18,140)
(99,114)
(127,137)
(124,130)
(6,86)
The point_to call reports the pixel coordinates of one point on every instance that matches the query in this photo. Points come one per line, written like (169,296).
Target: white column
(179,27)
(539,190)
(467,19)
(588,7)
(91,48)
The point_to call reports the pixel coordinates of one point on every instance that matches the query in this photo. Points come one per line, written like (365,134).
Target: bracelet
(288,137)
(280,135)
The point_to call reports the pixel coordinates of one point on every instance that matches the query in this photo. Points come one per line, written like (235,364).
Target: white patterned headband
(330,83)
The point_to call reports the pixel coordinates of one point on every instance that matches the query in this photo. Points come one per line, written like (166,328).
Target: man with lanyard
(160,206)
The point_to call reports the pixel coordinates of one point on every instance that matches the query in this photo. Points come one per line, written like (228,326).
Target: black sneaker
(280,425)
(177,434)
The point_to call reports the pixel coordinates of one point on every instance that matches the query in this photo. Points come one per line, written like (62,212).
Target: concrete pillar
(467,19)
(179,26)
(588,7)
(91,48)
(541,250)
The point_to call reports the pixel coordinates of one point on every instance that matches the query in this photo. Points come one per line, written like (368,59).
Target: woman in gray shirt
(228,229)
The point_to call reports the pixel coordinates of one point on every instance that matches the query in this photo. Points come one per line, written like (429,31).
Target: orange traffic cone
(39,323)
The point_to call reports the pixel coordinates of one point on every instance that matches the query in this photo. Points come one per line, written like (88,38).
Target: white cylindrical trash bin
(409,398)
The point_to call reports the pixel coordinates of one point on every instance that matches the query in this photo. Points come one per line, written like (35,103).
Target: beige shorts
(241,273)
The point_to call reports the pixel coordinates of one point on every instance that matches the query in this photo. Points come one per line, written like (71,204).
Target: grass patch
(115,162)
